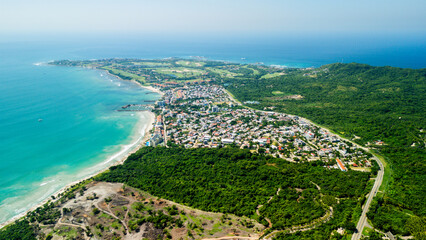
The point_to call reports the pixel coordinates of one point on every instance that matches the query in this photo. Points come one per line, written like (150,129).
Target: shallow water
(58,125)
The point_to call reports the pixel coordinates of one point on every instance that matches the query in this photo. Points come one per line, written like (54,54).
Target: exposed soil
(111,211)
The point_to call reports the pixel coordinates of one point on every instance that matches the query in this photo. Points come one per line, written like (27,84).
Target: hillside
(100,210)
(278,194)
(239,193)
(379,107)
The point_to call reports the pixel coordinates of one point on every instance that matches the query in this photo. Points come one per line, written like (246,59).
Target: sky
(212,16)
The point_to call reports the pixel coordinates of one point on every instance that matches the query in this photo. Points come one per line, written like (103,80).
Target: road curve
(363,219)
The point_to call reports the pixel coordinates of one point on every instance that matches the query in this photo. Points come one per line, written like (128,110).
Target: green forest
(365,104)
(231,180)
(20,230)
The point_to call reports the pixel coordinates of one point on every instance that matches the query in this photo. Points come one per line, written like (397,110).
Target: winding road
(363,219)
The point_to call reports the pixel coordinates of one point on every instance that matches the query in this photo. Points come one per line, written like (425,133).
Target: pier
(136,108)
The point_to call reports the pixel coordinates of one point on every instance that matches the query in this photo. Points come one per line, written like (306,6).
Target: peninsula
(232,154)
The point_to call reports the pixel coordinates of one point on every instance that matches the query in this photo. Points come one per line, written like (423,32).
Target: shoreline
(150,88)
(137,145)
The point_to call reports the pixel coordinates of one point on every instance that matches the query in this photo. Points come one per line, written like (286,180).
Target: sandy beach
(150,88)
(143,137)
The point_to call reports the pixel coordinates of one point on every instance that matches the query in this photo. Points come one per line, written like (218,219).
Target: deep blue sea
(80,129)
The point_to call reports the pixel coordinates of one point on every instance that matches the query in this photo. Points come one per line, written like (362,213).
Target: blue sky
(212,16)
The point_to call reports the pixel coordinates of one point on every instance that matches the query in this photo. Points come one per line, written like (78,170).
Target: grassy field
(277,93)
(367,231)
(222,72)
(272,75)
(180,72)
(254,71)
(190,63)
(152,64)
(387,172)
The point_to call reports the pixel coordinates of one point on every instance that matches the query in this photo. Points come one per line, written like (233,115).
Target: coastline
(150,88)
(142,137)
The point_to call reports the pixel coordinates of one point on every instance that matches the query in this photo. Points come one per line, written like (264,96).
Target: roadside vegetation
(379,107)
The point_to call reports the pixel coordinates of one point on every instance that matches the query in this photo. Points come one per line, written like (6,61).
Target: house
(227,141)
(340,165)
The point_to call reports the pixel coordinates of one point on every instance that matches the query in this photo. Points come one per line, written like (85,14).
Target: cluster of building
(158,136)
(205,116)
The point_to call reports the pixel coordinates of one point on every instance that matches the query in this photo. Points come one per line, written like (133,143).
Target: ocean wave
(42,63)
(126,148)
(42,184)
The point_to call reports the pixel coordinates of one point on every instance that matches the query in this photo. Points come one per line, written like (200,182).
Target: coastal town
(197,117)
(213,120)
(197,112)
(206,116)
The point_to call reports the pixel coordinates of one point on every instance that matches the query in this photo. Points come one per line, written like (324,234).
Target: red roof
(342,167)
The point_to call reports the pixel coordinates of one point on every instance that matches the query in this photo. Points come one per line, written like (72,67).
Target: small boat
(40,120)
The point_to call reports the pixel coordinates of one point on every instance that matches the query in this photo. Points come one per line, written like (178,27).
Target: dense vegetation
(231,180)
(302,204)
(20,230)
(326,231)
(366,104)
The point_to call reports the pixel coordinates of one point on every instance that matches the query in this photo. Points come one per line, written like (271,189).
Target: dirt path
(318,187)
(109,212)
(267,219)
(72,225)
(232,237)
(305,227)
(317,222)
(126,215)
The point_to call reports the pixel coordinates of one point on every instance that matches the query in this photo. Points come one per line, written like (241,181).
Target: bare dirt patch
(115,211)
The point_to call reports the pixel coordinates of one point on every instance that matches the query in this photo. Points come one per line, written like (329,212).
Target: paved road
(363,219)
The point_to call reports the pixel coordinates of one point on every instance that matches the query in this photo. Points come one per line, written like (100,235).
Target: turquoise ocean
(59,124)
